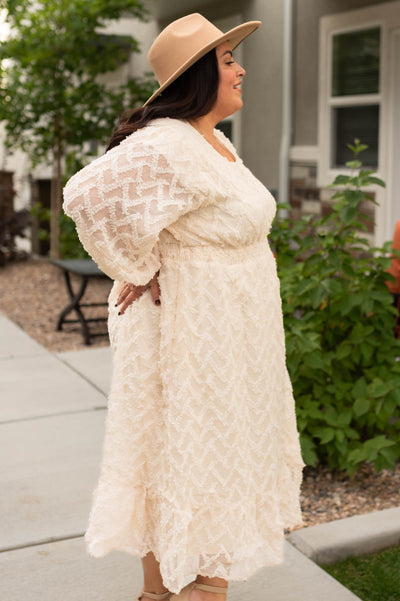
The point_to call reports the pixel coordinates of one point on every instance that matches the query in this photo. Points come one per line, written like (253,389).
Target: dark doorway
(40,223)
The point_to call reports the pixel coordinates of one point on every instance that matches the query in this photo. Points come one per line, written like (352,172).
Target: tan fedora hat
(186,40)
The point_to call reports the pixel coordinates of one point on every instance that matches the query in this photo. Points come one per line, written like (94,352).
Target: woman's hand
(130,293)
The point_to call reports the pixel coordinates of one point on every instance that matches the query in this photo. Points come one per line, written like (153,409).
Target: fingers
(155,290)
(130,289)
(129,293)
(125,290)
(130,298)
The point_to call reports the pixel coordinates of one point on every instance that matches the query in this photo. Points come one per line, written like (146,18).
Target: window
(354,98)
(355,58)
(359,97)
(351,122)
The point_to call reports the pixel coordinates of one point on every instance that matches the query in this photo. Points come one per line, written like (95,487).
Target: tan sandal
(185,592)
(154,595)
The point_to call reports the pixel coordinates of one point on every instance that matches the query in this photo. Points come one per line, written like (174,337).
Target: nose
(241,71)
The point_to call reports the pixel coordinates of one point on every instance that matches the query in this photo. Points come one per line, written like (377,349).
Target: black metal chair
(86,269)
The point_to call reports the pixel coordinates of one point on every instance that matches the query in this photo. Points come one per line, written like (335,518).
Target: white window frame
(387,17)
(332,102)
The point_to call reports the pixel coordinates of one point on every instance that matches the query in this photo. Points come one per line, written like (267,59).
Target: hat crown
(179,42)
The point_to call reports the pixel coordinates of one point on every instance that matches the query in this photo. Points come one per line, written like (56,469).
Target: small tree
(52,99)
(339,320)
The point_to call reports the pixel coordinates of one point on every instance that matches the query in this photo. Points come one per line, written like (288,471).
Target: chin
(238,104)
(233,109)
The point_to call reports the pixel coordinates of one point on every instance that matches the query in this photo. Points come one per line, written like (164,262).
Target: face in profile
(230,78)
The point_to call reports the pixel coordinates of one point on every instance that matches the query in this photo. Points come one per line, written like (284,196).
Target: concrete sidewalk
(52,415)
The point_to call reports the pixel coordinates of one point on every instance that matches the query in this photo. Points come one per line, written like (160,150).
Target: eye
(230,63)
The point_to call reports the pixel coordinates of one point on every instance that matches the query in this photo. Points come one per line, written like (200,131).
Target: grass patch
(371,577)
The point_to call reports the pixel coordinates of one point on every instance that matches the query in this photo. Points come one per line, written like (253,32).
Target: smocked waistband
(210,252)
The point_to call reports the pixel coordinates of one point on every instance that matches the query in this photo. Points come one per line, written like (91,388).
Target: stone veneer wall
(307,199)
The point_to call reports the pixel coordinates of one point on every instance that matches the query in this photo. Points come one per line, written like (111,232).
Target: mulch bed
(330,496)
(32,294)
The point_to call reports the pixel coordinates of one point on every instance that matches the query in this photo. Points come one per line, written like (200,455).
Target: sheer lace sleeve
(122,201)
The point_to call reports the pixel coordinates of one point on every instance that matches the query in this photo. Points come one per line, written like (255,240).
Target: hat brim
(235,36)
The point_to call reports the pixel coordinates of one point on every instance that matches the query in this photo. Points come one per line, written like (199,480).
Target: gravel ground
(33,293)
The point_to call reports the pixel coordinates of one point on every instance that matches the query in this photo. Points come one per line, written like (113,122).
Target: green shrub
(70,245)
(339,319)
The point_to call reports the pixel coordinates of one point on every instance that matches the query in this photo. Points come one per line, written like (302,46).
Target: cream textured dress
(201,458)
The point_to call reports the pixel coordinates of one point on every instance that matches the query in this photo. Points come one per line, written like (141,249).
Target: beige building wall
(262,111)
(144,33)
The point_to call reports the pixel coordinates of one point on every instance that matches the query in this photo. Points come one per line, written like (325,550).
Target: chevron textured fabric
(201,458)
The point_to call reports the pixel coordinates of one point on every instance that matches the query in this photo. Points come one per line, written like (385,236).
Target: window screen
(355,62)
(360,122)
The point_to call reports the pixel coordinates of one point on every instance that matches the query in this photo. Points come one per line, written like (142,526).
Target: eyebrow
(228,52)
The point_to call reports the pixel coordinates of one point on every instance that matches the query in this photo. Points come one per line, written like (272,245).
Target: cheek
(226,83)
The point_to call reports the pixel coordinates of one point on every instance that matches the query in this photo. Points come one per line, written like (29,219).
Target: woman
(201,462)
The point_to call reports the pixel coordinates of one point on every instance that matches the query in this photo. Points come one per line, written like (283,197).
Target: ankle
(199,595)
(217,582)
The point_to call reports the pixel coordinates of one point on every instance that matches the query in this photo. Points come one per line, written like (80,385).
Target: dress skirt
(201,459)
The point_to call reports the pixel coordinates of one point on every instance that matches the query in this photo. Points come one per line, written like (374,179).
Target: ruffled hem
(192,540)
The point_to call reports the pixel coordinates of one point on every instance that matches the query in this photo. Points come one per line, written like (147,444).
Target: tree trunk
(55,204)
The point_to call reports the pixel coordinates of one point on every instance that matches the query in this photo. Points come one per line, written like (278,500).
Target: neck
(205,124)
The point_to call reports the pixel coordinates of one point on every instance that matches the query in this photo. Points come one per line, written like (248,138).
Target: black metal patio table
(86,269)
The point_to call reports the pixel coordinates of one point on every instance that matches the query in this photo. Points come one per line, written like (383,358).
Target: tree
(53,97)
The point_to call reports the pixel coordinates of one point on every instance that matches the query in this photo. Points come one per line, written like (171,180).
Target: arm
(122,201)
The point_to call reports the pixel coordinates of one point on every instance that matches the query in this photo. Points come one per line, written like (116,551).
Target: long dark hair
(190,96)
